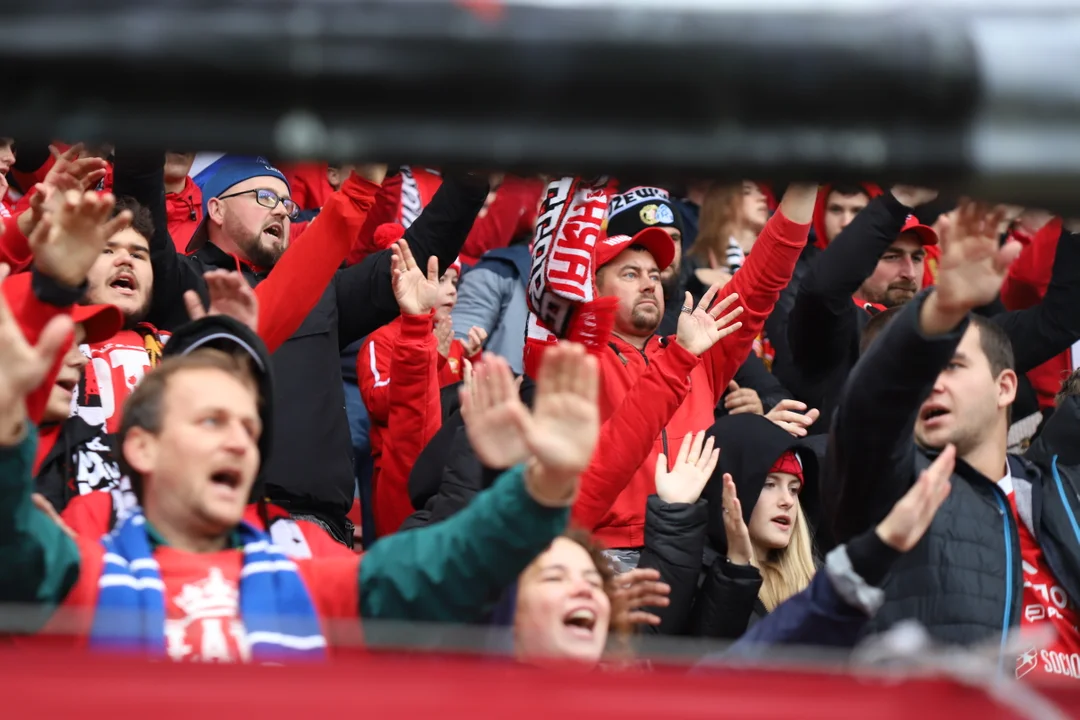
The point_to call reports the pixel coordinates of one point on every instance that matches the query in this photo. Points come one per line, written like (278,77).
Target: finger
(433,269)
(590,378)
(811,416)
(736,513)
(789,404)
(789,417)
(724,304)
(730,317)
(640,617)
(195,309)
(706,454)
(638,575)
(732,386)
(796,430)
(707,298)
(94,177)
(507,391)
(117,224)
(684,449)
(723,332)
(1006,255)
(406,255)
(483,380)
(728,496)
(40,234)
(661,466)
(695,449)
(688,300)
(710,467)
(466,398)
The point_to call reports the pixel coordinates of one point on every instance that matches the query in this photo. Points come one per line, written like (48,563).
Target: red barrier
(51,683)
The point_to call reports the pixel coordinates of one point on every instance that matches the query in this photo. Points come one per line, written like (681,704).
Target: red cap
(926,234)
(654,239)
(100,322)
(788,463)
(456,265)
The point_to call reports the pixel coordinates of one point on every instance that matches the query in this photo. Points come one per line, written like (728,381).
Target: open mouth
(228,478)
(782,521)
(124,283)
(275,231)
(582,621)
(932,412)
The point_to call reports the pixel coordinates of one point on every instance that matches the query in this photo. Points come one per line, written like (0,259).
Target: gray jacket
(492,297)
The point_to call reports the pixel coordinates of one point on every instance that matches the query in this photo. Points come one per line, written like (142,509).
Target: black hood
(749,446)
(231,336)
(1058,436)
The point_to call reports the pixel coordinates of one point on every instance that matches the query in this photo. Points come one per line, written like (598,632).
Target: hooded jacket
(309,322)
(184,211)
(651,398)
(963,580)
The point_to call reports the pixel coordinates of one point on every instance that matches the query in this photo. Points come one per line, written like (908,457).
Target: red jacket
(1025,286)
(14,247)
(309,186)
(415,415)
(650,400)
(184,211)
(373,370)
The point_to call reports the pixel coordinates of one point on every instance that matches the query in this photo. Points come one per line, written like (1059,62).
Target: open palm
(68,241)
(416,293)
(703,327)
(492,412)
(565,422)
(973,262)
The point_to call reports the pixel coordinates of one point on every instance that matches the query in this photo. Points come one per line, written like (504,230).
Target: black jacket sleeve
(1045,330)
(674,542)
(459,482)
(871,455)
(822,325)
(726,600)
(142,176)
(365,293)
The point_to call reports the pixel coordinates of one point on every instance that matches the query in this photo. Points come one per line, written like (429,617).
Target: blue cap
(230,170)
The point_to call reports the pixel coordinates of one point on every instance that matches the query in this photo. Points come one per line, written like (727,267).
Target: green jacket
(448,572)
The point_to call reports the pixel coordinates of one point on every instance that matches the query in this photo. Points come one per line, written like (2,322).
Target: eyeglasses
(269,199)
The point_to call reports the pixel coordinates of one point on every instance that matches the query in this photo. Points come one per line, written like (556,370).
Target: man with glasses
(308,309)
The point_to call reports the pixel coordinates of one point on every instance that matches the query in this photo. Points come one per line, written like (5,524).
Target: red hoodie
(309,186)
(184,210)
(650,400)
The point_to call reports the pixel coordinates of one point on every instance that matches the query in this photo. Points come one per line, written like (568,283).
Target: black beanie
(642,207)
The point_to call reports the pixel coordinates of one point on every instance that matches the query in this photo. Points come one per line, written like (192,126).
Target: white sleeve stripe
(379,382)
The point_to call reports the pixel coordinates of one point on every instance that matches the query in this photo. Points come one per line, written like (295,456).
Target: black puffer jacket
(963,581)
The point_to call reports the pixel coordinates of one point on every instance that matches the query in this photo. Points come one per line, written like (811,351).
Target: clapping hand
(739,548)
(230,295)
(694,465)
(793,416)
(416,293)
(477,338)
(740,400)
(702,328)
(910,517)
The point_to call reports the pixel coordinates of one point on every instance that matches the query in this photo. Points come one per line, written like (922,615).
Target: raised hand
(230,295)
(694,465)
(87,171)
(636,589)
(910,517)
(444,334)
(23,366)
(416,293)
(973,262)
(739,548)
(477,338)
(492,410)
(562,431)
(66,243)
(701,328)
(374,173)
(793,416)
(740,400)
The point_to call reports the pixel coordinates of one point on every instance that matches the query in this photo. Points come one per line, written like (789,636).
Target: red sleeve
(765,273)
(415,417)
(1029,275)
(387,204)
(627,437)
(305,270)
(33,315)
(373,372)
(14,247)
(496,224)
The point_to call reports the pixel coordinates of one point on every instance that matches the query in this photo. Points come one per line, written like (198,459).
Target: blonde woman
(757,525)
(732,217)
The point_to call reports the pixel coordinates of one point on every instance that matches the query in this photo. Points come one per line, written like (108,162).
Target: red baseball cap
(654,239)
(926,234)
(100,322)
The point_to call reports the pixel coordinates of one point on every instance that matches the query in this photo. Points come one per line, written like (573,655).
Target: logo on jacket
(1027,662)
(655,214)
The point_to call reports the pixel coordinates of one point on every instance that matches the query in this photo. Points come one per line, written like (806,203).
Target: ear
(1007,383)
(140,450)
(215,210)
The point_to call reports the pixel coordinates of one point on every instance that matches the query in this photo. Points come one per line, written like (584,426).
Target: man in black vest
(1004,550)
